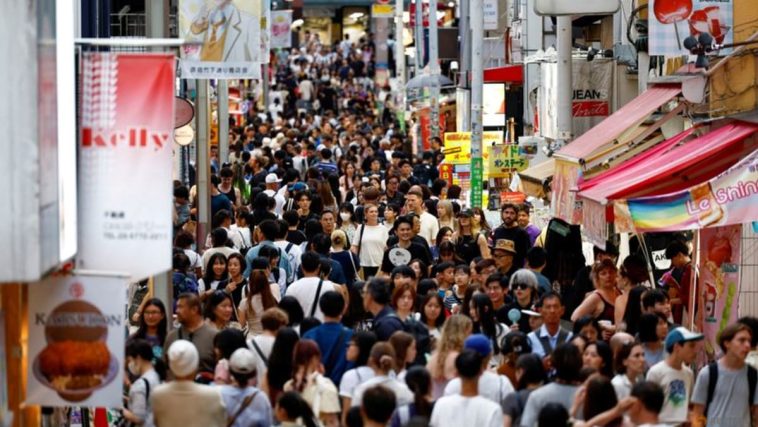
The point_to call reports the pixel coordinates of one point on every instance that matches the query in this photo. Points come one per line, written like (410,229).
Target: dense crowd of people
(344,283)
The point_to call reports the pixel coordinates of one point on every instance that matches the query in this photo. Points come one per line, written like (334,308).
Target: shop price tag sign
(477,172)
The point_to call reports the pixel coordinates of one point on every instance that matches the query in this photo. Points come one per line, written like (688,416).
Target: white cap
(183,359)
(242,361)
(272,178)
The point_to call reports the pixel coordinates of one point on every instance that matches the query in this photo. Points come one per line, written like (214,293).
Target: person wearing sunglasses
(523,286)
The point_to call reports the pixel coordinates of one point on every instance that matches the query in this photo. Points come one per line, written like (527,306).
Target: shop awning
(533,178)
(630,115)
(507,74)
(675,164)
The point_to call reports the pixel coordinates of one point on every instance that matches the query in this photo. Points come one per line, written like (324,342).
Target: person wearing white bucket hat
(183,402)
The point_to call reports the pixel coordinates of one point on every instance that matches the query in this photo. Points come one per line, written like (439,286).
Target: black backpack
(420,334)
(713,377)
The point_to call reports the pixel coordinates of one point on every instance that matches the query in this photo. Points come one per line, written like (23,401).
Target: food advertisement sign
(76,341)
(672,21)
(719,283)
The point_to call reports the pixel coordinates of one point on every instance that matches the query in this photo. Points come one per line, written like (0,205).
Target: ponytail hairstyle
(140,348)
(382,357)
(419,381)
(296,407)
(305,351)
(401,341)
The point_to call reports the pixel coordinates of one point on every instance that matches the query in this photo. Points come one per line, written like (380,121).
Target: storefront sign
(719,282)
(281,32)
(592,86)
(491,15)
(76,341)
(458,146)
(729,198)
(594,223)
(125,171)
(504,160)
(233,37)
(382,10)
(672,21)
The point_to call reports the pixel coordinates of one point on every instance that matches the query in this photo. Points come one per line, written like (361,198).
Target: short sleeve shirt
(729,406)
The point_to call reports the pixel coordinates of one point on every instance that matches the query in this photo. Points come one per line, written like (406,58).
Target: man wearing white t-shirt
(309,289)
(272,190)
(414,201)
(467,408)
(674,376)
(491,385)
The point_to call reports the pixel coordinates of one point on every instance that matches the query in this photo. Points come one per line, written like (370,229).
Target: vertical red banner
(125,167)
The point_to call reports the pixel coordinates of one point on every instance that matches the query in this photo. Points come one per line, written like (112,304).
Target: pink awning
(674,166)
(631,114)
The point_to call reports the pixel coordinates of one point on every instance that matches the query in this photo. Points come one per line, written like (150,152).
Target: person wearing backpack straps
(245,405)
(139,357)
(331,336)
(309,289)
(725,390)
(376,299)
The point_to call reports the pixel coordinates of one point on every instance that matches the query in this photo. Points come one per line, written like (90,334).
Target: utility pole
(418,32)
(564,111)
(477,86)
(203,166)
(434,66)
(400,63)
(222,102)
(463,93)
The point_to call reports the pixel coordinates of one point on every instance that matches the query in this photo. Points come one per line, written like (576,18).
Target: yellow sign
(382,10)
(504,159)
(458,147)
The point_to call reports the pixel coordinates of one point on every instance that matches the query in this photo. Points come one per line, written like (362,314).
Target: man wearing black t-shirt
(510,230)
(405,250)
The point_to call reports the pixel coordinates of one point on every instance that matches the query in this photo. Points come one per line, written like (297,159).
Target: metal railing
(135,25)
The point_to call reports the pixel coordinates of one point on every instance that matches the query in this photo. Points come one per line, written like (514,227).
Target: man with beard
(510,230)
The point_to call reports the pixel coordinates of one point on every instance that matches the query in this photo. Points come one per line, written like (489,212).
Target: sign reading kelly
(125,166)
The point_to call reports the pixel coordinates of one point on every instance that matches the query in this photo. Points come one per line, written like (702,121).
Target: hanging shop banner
(504,160)
(565,204)
(281,32)
(457,149)
(718,282)
(232,38)
(594,224)
(672,21)
(729,198)
(382,9)
(592,87)
(125,166)
(76,341)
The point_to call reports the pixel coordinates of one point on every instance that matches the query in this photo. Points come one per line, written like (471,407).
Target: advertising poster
(493,105)
(729,198)
(233,37)
(281,33)
(719,282)
(672,21)
(76,341)
(125,163)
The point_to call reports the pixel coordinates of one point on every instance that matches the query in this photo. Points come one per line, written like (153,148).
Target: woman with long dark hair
(432,315)
(235,284)
(259,297)
(316,389)
(216,273)
(225,343)
(482,314)
(595,397)
(652,332)
(420,383)
(153,325)
(280,363)
(598,356)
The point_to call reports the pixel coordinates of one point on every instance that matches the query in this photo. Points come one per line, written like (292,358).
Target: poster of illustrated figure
(227,38)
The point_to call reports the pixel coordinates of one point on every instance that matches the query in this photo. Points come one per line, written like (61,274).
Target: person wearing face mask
(139,356)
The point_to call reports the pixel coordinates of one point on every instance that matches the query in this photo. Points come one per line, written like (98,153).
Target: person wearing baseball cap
(183,402)
(674,375)
(503,252)
(245,404)
(273,191)
(491,385)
